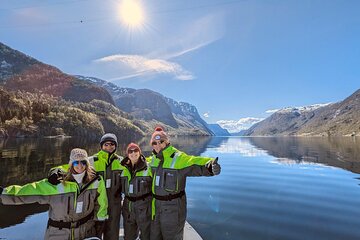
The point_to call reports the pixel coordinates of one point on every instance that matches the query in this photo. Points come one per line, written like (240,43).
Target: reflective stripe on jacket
(136,185)
(108,165)
(137,182)
(68,203)
(170,167)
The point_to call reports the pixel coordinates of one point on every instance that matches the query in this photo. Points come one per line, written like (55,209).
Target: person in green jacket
(75,204)
(170,168)
(106,163)
(136,179)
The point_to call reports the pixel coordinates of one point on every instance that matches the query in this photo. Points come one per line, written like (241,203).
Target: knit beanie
(78,154)
(109,137)
(132,146)
(159,135)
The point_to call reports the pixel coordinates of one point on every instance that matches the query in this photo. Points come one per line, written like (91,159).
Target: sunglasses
(109,144)
(132,151)
(83,162)
(157,143)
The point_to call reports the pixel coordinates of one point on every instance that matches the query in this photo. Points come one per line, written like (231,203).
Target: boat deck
(189,233)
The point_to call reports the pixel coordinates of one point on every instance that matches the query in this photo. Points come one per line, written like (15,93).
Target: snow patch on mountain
(300,110)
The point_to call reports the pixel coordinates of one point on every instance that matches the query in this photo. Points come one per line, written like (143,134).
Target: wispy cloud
(192,37)
(234,126)
(203,31)
(142,65)
(206,115)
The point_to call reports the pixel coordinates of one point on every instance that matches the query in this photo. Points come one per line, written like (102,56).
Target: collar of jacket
(139,166)
(165,153)
(107,157)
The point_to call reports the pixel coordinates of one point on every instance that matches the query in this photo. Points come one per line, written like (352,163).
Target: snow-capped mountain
(299,109)
(235,126)
(149,105)
(341,118)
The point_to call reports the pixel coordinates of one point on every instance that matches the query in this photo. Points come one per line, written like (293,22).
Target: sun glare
(132,13)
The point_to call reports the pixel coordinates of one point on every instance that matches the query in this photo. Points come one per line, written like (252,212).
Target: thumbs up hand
(215,167)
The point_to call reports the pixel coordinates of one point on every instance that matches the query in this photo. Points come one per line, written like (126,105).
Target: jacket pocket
(143,185)
(170,180)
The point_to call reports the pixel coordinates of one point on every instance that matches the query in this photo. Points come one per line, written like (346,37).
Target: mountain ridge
(150,106)
(19,71)
(335,119)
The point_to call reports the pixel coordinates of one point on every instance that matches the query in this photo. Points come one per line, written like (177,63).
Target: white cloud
(234,126)
(206,115)
(196,35)
(142,65)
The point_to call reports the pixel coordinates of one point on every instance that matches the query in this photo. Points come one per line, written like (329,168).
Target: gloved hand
(215,167)
(1,189)
(55,176)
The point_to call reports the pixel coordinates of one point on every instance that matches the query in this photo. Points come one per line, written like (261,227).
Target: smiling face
(158,145)
(79,166)
(133,155)
(108,146)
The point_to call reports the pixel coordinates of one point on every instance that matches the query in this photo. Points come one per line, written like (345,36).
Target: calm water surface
(269,188)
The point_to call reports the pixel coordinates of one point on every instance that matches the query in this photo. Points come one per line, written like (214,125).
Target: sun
(132,13)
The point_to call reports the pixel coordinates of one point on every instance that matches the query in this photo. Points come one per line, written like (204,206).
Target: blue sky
(231,59)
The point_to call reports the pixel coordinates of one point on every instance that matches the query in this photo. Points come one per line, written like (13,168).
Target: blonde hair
(90,173)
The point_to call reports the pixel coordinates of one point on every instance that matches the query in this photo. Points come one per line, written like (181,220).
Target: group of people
(86,195)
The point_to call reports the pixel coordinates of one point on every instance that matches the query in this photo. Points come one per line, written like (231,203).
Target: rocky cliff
(179,118)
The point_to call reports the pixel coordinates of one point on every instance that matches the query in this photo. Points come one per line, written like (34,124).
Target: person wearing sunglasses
(106,163)
(170,168)
(75,204)
(136,183)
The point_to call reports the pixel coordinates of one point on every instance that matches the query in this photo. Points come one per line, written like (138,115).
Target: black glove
(55,176)
(214,167)
(1,189)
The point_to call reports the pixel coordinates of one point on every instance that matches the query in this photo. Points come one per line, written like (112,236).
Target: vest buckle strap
(170,196)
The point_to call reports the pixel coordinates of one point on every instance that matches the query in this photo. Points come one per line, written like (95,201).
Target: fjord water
(269,188)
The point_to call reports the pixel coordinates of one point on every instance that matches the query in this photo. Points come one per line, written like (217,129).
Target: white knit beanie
(78,154)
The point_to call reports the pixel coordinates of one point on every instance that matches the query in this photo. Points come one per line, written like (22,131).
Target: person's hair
(90,173)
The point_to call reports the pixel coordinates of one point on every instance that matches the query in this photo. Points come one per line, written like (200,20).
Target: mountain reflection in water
(284,188)
(341,152)
(29,160)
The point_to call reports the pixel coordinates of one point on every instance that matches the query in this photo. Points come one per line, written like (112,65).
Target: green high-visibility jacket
(109,167)
(136,211)
(136,182)
(170,168)
(68,203)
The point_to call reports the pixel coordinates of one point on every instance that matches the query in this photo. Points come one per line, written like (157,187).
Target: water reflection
(251,199)
(242,146)
(342,152)
(29,160)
